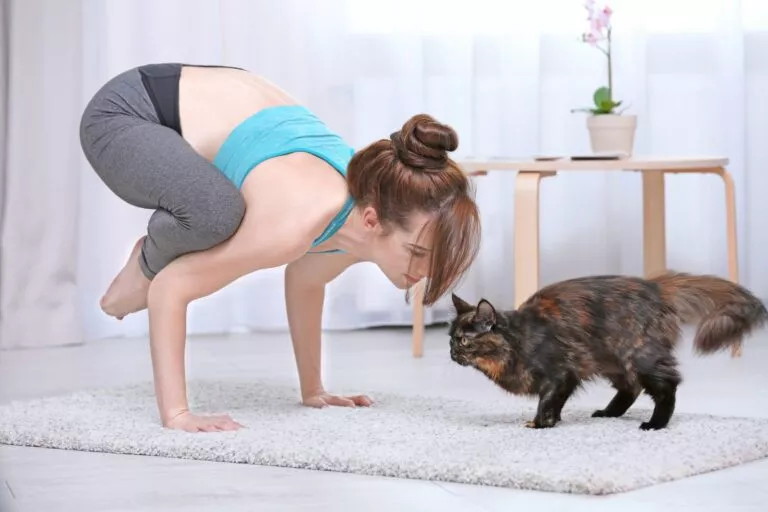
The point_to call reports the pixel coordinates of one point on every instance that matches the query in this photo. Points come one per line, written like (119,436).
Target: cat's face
(474,338)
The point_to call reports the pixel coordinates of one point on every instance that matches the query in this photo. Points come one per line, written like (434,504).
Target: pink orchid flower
(605,16)
(599,22)
(599,30)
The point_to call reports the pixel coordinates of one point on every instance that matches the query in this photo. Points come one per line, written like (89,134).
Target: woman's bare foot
(128,291)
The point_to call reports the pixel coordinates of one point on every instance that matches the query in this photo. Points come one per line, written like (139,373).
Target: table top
(474,164)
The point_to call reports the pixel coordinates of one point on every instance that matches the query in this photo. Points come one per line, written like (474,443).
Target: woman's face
(404,255)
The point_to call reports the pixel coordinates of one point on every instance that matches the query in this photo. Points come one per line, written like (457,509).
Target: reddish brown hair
(411,172)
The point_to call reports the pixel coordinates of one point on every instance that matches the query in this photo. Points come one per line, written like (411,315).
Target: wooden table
(526,222)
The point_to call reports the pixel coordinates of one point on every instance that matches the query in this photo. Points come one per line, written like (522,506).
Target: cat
(621,328)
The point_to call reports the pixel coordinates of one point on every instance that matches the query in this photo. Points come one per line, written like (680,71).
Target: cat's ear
(461,305)
(486,314)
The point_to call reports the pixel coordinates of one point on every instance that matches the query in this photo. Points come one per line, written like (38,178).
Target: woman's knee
(198,225)
(219,217)
(86,123)
(231,213)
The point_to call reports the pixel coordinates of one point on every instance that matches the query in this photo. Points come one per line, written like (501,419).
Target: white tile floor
(55,480)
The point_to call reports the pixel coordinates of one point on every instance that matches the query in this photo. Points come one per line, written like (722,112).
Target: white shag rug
(428,438)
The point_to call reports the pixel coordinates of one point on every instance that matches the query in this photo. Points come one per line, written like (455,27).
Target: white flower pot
(612,133)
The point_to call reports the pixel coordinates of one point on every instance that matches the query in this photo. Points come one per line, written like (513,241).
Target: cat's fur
(621,328)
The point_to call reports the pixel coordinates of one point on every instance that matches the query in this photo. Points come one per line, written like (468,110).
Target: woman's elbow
(164,291)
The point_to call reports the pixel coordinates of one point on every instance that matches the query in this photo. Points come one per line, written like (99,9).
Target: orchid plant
(599,36)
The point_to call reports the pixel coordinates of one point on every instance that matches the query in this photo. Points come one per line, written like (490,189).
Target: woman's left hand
(324,399)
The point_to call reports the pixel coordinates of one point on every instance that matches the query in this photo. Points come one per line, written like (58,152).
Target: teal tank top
(277,131)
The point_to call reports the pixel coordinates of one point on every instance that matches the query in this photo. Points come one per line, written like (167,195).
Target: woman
(241,178)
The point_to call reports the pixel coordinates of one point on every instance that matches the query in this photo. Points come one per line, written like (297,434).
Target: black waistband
(162,84)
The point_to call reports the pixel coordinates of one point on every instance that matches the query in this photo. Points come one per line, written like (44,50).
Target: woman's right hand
(193,423)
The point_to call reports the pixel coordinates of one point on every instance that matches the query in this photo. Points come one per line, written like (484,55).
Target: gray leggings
(151,166)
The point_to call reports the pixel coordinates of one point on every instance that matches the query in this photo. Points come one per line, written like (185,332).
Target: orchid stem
(610,68)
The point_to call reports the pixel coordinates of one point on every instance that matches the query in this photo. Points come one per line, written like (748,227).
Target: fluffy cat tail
(725,311)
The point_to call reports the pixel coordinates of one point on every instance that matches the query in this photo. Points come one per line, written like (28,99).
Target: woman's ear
(371,218)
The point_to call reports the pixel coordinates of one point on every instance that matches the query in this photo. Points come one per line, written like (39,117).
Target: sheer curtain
(504,74)
(40,167)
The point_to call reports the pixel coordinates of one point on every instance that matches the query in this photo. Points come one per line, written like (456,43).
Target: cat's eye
(464,342)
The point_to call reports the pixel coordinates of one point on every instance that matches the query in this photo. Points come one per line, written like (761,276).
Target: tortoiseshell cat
(621,328)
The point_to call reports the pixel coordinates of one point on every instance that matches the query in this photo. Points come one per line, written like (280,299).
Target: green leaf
(602,95)
(603,101)
(606,107)
(574,110)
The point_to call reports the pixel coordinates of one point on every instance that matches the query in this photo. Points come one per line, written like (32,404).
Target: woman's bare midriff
(213,101)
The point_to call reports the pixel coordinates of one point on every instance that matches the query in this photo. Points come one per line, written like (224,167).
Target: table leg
(418,318)
(730,226)
(654,228)
(526,236)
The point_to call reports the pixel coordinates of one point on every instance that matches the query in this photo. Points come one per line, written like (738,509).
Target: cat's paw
(605,413)
(647,425)
(548,423)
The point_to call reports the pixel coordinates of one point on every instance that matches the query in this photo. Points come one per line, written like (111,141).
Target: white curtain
(4,39)
(41,165)
(504,74)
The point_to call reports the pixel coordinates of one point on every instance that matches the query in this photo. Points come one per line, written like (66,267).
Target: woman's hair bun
(423,143)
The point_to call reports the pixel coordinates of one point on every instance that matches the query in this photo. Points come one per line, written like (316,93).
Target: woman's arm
(194,276)
(305,281)
(288,204)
